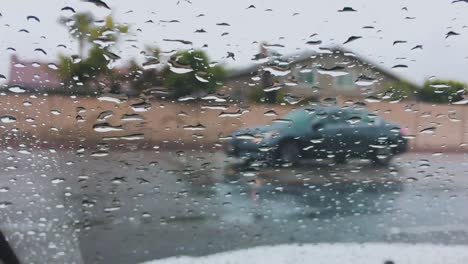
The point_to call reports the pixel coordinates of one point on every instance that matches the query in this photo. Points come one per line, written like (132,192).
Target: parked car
(320,132)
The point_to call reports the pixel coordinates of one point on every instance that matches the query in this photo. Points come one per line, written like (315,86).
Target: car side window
(328,122)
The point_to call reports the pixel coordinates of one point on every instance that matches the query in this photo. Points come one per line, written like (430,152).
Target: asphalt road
(133,206)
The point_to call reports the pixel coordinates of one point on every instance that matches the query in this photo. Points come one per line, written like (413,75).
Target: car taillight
(404,131)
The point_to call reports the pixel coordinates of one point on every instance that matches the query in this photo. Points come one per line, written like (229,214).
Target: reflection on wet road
(314,191)
(137,206)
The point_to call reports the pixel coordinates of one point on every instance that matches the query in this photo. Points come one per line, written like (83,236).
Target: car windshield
(233,131)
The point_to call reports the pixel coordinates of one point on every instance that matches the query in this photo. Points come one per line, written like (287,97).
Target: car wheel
(289,152)
(340,158)
(382,155)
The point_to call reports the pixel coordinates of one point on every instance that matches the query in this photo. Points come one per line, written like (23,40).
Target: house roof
(309,54)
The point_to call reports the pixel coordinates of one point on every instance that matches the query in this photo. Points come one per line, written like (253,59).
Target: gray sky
(432,19)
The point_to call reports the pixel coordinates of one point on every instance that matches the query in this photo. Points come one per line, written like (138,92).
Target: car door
(325,137)
(355,131)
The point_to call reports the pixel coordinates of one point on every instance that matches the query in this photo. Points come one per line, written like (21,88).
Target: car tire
(382,156)
(289,152)
(340,158)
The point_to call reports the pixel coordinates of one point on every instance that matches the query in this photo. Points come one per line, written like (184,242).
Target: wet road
(64,207)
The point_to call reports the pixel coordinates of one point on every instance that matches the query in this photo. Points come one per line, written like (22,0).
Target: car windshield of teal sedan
(222,131)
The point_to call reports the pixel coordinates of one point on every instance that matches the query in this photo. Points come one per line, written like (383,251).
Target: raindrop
(16,89)
(365,81)
(145,215)
(111,209)
(270,113)
(67,8)
(151,64)
(7,119)
(52,66)
(451,33)
(277,71)
(169,21)
(399,42)
(55,112)
(186,42)
(201,79)
(35,18)
(108,98)
(39,50)
(104,115)
(131,117)
(195,127)
(372,99)
(439,86)
(127,137)
(57,180)
(428,130)
(347,9)
(314,42)
(231,114)
(141,107)
(185,98)
(118,180)
(87,203)
(354,120)
(5,204)
(352,38)
(400,66)
(106,127)
(99,153)
(231,55)
(334,71)
(214,98)
(98,3)
(178,68)
(292,99)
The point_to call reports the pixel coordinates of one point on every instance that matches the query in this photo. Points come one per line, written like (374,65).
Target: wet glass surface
(233,131)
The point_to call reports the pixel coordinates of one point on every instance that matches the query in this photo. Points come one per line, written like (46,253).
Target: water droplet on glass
(7,119)
(106,127)
(141,107)
(428,130)
(57,180)
(16,89)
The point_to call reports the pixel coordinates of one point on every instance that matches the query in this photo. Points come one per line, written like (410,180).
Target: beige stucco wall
(164,122)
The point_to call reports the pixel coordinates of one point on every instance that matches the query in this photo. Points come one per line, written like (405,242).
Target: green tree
(80,72)
(190,72)
(146,75)
(79,26)
(442,91)
(400,90)
(258,95)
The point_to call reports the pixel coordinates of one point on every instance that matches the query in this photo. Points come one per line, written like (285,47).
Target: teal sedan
(320,132)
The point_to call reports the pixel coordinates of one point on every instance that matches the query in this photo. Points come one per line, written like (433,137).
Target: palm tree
(80,27)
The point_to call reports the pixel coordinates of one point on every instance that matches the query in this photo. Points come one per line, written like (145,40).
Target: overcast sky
(289,23)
